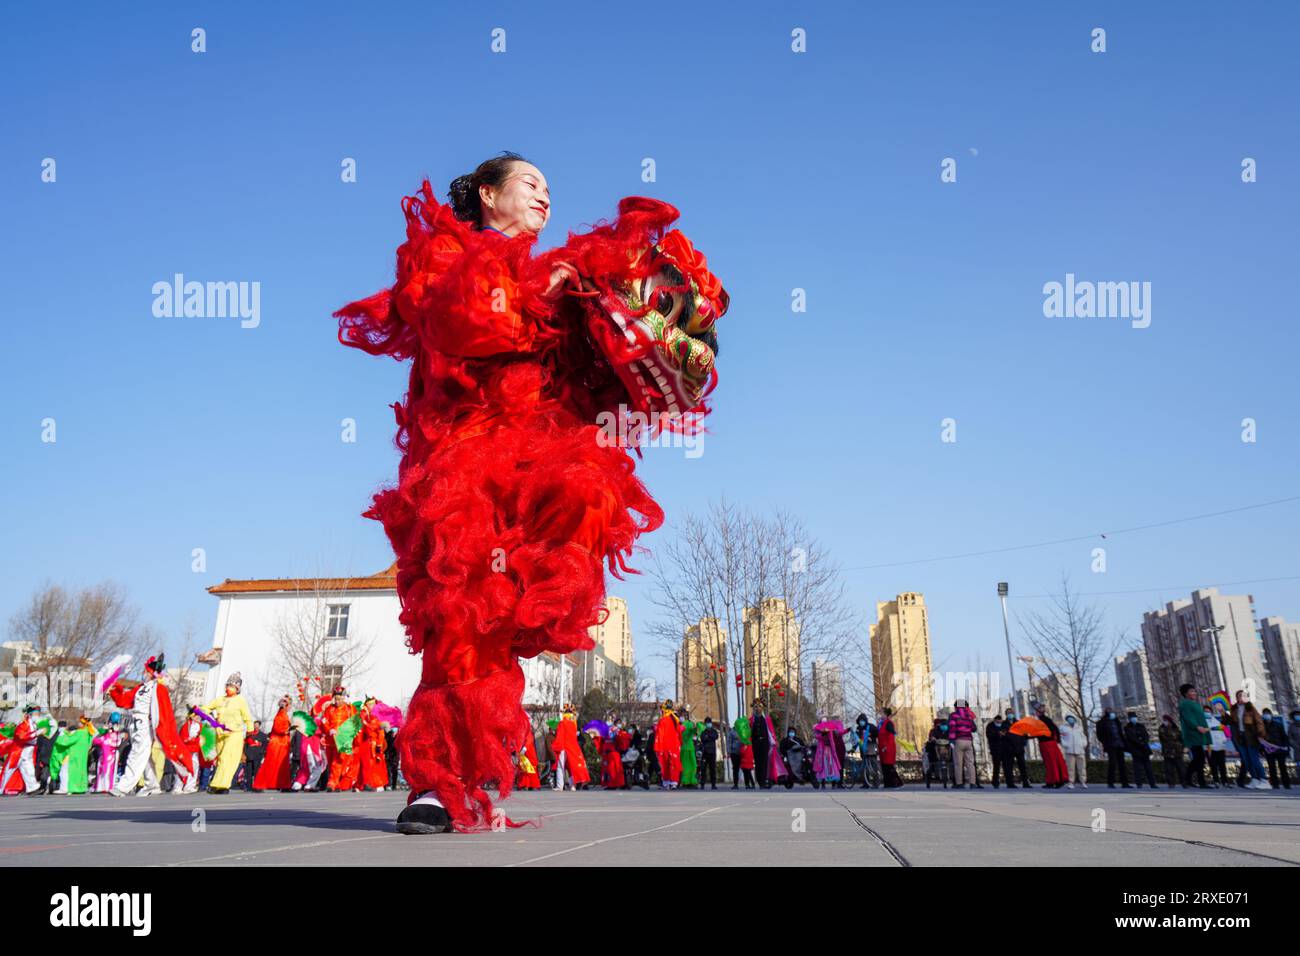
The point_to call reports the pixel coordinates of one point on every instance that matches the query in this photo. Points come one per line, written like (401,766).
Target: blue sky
(818,171)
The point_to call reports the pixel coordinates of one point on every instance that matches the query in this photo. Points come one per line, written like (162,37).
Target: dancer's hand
(563,271)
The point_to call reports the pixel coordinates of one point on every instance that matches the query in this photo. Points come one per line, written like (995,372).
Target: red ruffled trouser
(501,540)
(613,770)
(1054,762)
(670,766)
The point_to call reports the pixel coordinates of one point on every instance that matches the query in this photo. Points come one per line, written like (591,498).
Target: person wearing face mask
(792,763)
(995,732)
(231,712)
(1196,735)
(1014,747)
(743,760)
(868,737)
(938,754)
(690,730)
(1275,746)
(1110,734)
(1137,741)
(1217,754)
(709,754)
(888,746)
(1171,751)
(1248,729)
(1075,748)
(22,756)
(961,731)
(152,720)
(1055,770)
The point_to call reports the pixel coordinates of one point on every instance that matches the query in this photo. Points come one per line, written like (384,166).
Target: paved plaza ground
(911,827)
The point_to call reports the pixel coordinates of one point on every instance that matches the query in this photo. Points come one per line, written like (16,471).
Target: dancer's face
(520,204)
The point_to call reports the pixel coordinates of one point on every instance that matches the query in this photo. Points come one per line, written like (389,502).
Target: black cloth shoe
(418,819)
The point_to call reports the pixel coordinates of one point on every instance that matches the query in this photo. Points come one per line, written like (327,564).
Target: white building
(279,631)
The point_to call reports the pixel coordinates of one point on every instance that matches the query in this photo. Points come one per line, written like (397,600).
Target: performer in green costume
(71,754)
(690,731)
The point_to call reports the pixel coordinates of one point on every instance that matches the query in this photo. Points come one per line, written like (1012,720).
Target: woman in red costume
(528,778)
(508,505)
(568,751)
(668,746)
(370,747)
(273,774)
(612,757)
(343,766)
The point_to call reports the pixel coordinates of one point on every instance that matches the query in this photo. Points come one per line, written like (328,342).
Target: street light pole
(1003,589)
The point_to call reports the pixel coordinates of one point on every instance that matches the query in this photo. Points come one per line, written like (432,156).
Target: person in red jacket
(612,760)
(622,742)
(668,747)
(887,748)
(273,774)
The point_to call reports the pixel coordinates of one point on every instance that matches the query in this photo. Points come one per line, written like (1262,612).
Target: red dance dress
(273,774)
(508,506)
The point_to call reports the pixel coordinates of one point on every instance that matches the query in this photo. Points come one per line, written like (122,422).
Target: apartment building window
(337,625)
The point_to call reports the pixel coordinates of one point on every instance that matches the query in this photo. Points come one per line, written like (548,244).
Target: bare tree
(699,578)
(309,644)
(67,635)
(772,592)
(1070,642)
(809,583)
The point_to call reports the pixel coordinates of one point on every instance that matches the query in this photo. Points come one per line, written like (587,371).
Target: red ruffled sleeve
(459,291)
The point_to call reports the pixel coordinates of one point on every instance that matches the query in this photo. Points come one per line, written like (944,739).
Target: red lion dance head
(650,305)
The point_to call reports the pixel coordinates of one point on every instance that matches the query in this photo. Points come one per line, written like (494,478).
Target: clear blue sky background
(818,171)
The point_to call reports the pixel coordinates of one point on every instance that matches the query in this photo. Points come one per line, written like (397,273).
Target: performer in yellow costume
(232,713)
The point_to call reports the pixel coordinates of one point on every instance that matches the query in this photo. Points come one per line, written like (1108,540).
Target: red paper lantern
(780,693)
(709,683)
(766,685)
(737,680)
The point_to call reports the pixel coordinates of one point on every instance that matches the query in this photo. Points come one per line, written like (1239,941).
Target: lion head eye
(664,303)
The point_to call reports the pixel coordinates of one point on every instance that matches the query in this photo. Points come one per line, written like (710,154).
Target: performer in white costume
(150,706)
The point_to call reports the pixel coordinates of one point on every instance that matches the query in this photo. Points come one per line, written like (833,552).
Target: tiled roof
(385,580)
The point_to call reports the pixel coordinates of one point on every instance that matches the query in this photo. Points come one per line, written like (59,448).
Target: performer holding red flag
(508,504)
